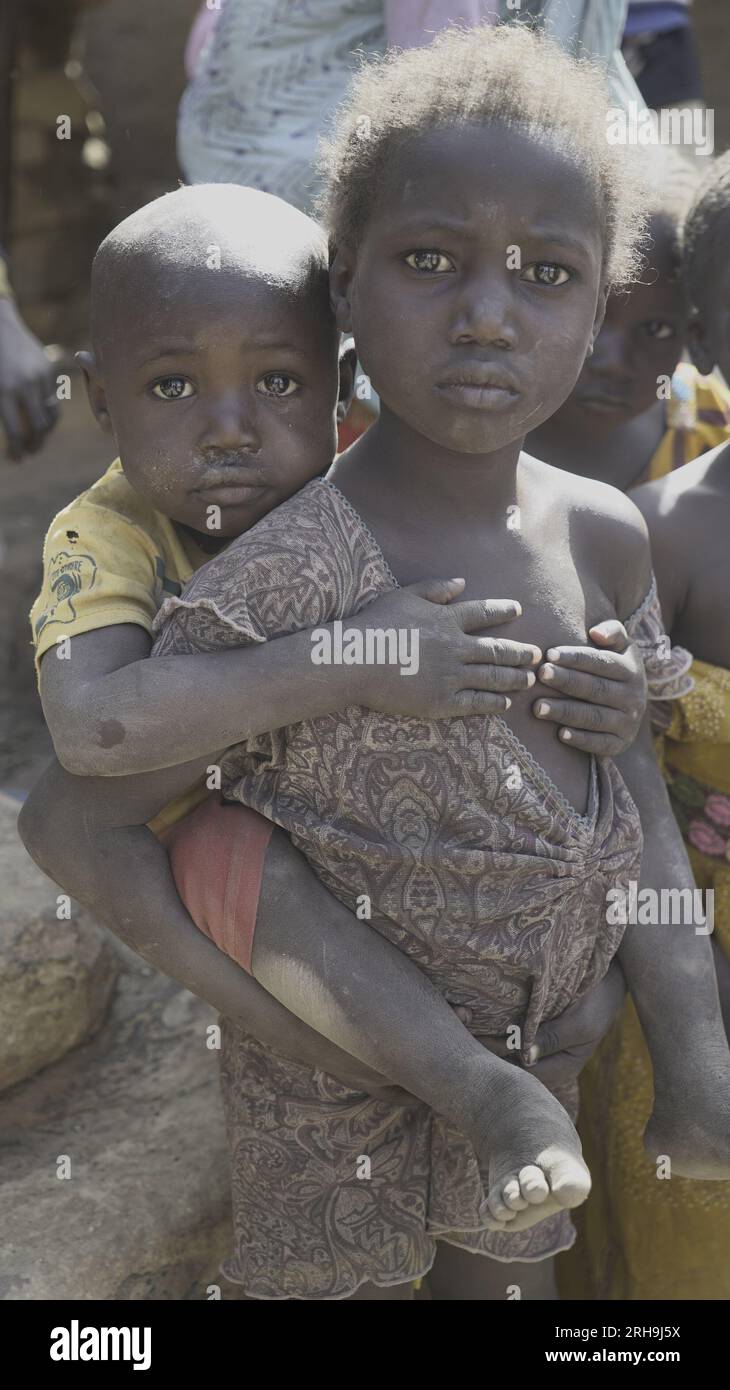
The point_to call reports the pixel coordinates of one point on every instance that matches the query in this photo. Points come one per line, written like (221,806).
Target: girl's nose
(485,314)
(231,425)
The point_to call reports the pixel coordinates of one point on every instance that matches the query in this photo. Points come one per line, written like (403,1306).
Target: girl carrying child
(477,219)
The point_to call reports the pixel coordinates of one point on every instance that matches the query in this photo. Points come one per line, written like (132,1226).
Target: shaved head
(197,232)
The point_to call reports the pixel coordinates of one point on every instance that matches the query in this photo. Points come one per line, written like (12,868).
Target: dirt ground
(132,58)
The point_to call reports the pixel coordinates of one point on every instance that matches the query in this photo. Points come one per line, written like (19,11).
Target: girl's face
(642,339)
(477,286)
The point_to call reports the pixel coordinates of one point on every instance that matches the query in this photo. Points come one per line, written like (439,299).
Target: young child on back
(674,1244)
(216,364)
(485,847)
(638,410)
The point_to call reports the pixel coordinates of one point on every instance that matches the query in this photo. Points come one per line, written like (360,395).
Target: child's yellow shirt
(108,558)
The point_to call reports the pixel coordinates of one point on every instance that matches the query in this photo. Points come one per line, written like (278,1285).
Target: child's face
(477,286)
(642,339)
(710,331)
(221,391)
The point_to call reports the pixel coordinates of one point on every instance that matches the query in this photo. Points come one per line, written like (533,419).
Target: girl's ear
(341,273)
(95,389)
(348,365)
(699,346)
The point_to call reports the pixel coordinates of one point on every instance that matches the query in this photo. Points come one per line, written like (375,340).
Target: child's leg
(670,971)
(346,981)
(458,1275)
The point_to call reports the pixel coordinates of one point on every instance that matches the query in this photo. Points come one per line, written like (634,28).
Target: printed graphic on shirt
(68,574)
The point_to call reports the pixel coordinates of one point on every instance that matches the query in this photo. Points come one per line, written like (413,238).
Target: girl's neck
(392,465)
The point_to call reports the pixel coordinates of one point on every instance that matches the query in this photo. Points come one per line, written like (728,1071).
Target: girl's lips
(479,396)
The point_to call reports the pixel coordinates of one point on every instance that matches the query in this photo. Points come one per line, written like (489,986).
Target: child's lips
(229,494)
(479,387)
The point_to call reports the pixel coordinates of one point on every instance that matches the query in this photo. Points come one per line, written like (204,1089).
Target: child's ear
(341,273)
(348,367)
(95,389)
(699,346)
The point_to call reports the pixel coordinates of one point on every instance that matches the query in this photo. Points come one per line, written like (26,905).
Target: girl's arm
(111,712)
(669,966)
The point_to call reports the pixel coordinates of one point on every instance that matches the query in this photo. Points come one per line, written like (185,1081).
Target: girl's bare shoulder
(608,533)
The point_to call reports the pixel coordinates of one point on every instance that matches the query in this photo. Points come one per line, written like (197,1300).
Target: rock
(135,1117)
(56,977)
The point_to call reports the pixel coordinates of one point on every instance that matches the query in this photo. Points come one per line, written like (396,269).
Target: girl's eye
(658,328)
(172,388)
(277,384)
(546,273)
(429,262)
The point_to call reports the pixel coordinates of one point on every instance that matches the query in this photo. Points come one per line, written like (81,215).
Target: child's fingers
(473,614)
(602,745)
(611,634)
(592,662)
(500,651)
(594,719)
(596,689)
(465,702)
(497,678)
(438,590)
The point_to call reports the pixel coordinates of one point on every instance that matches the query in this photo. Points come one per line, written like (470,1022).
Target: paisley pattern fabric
(475,865)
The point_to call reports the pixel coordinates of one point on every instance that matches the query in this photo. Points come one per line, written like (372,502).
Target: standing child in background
(620,424)
(485,847)
(641,1238)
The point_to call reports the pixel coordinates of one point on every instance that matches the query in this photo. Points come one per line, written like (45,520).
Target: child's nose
(231,425)
(485,314)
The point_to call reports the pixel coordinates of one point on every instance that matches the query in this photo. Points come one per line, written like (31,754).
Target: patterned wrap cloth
(475,865)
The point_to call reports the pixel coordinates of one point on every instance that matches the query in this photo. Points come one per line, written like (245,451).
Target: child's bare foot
(529,1151)
(690,1124)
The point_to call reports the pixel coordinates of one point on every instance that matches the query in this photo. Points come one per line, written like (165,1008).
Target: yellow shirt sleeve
(99,569)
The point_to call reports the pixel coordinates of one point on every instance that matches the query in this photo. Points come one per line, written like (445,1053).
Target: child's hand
(454,672)
(606,690)
(564,1044)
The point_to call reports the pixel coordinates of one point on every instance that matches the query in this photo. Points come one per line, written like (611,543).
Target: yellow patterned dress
(697,419)
(641,1237)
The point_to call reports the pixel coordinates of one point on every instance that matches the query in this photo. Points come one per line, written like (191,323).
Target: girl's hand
(564,1044)
(606,692)
(444,669)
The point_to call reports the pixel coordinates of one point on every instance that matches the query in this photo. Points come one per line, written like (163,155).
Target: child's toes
(496,1200)
(533,1185)
(569,1179)
(512,1195)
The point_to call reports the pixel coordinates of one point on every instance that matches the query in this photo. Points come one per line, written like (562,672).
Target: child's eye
(659,328)
(546,273)
(172,388)
(277,384)
(429,262)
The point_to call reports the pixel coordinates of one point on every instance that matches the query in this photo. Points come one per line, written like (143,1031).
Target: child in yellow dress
(641,1237)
